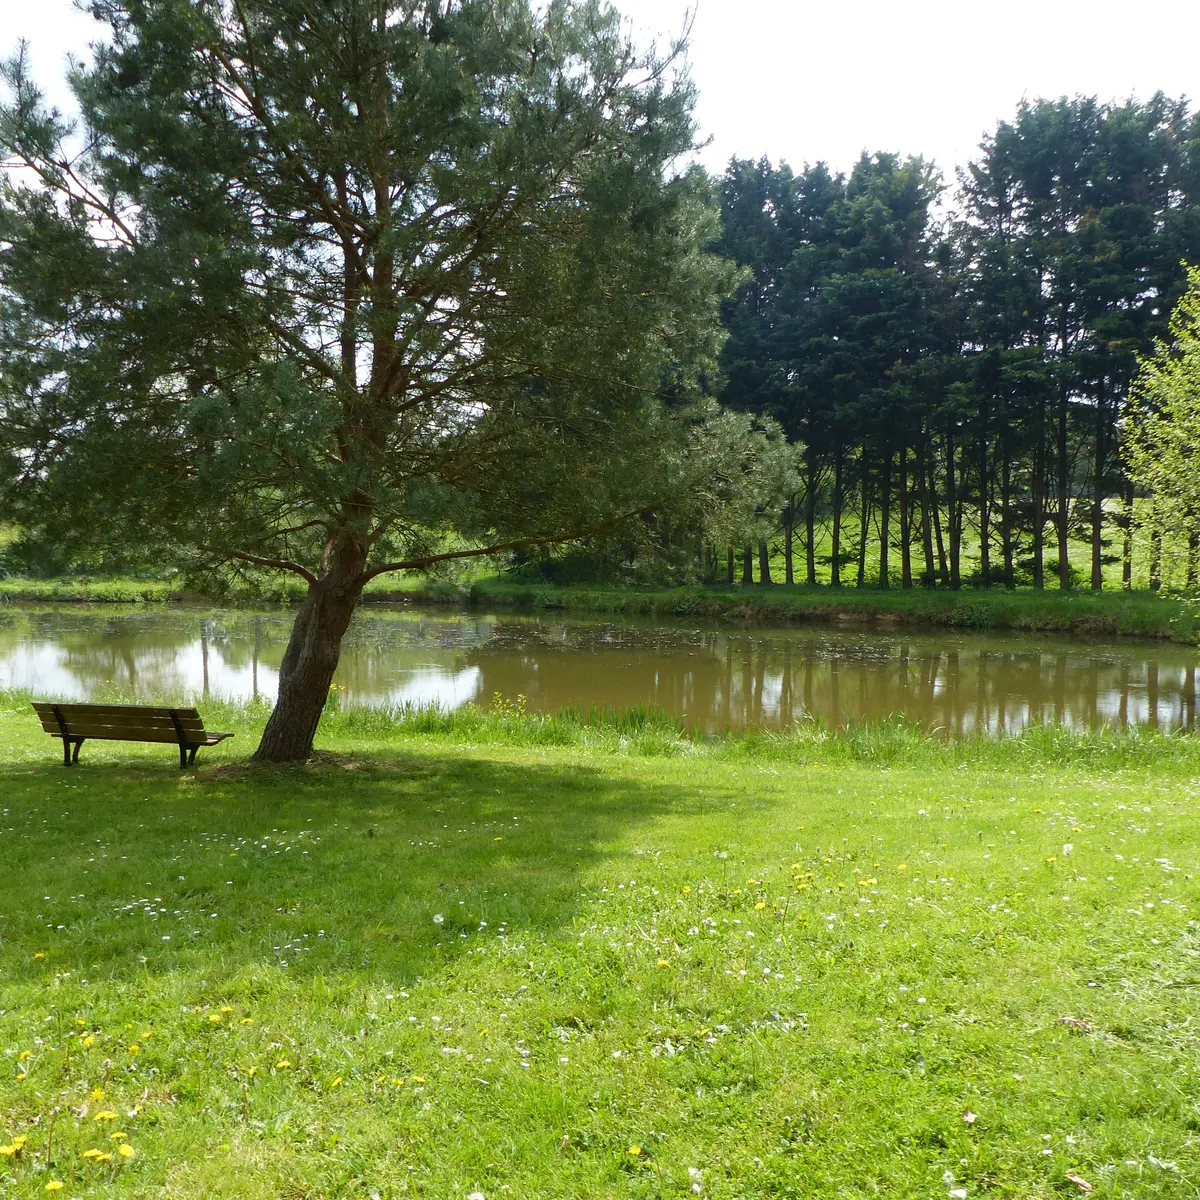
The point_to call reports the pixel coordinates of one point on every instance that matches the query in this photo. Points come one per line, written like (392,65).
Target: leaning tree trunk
(311,659)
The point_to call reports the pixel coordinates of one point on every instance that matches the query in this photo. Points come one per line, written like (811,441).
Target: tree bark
(922,478)
(1063,516)
(789,529)
(885,516)
(810,521)
(985,528)
(1156,545)
(747,564)
(729,565)
(312,656)
(906,580)
(1098,495)
(954,516)
(835,566)
(935,508)
(764,563)
(1006,516)
(1127,535)
(864,519)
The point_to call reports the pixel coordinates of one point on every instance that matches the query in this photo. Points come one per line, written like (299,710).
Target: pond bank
(1107,614)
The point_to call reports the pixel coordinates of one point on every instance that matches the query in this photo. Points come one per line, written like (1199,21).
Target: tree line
(961,375)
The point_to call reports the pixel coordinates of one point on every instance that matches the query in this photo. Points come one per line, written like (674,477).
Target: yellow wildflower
(105,1115)
(89,1041)
(125,1150)
(662,962)
(39,954)
(215,1018)
(55,1185)
(24,1055)
(283,1065)
(759,906)
(418,1079)
(902,867)
(247,1021)
(336,1083)
(97,1155)
(116,1137)
(97,1093)
(227,1008)
(635,1150)
(134,1049)
(686,890)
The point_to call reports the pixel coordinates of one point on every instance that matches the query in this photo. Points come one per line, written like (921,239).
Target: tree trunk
(954,516)
(935,508)
(864,520)
(1098,496)
(1038,488)
(985,528)
(764,563)
(885,516)
(835,566)
(311,657)
(921,466)
(905,523)
(1063,516)
(1006,521)
(789,529)
(729,565)
(1127,535)
(810,522)
(1156,544)
(747,564)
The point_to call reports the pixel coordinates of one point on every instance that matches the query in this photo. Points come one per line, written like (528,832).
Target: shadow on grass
(383,869)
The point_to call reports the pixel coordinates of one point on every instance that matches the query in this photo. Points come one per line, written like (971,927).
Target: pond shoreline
(1104,615)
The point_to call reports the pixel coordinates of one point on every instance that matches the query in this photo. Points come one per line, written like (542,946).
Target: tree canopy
(343,289)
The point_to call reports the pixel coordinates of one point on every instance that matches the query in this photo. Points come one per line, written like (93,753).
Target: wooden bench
(75,723)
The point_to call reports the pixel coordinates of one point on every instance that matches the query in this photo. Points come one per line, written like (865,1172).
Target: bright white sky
(807,81)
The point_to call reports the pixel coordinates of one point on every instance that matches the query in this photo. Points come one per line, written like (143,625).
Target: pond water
(715,677)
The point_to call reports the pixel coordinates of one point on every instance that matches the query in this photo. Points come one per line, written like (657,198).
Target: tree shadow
(381,869)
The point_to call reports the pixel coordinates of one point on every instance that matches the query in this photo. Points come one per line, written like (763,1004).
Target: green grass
(811,965)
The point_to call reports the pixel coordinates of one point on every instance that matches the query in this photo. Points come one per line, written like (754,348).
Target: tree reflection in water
(715,677)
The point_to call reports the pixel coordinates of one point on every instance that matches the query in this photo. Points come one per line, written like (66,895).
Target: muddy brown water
(715,677)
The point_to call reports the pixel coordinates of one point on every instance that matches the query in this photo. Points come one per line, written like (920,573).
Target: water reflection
(716,678)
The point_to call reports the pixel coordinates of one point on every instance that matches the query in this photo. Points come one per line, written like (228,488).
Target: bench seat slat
(76,723)
(154,735)
(124,733)
(117,710)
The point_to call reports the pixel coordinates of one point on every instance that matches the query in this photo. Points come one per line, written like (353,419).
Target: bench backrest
(122,722)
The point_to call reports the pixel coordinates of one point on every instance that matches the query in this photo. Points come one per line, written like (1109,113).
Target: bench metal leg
(67,752)
(192,756)
(183,753)
(75,756)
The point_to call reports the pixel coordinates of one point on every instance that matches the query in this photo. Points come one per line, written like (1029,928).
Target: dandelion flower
(759,906)
(97,1155)
(105,1115)
(215,1018)
(247,1021)
(635,1151)
(55,1185)
(283,1065)
(902,867)
(686,890)
(97,1093)
(89,1041)
(125,1150)
(439,919)
(116,1137)
(336,1083)
(418,1079)
(39,954)
(24,1055)
(662,962)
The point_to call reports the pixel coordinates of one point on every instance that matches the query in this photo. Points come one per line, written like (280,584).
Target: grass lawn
(456,958)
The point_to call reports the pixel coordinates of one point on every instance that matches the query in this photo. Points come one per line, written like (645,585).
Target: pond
(715,677)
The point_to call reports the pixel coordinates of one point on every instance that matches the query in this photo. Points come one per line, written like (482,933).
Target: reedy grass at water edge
(455,954)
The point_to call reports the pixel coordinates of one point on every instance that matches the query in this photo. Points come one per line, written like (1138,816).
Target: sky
(804,82)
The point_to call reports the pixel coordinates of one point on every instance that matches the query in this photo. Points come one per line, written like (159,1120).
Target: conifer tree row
(959,378)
